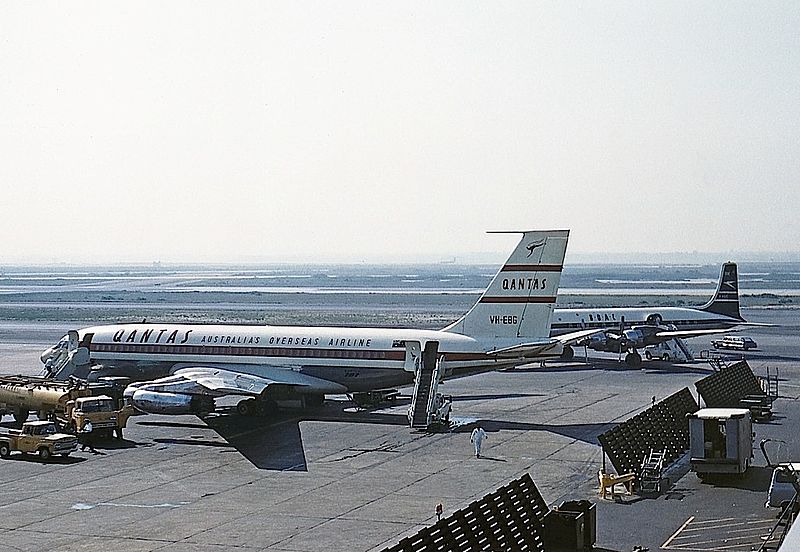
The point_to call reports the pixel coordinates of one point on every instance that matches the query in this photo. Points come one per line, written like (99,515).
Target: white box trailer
(720,440)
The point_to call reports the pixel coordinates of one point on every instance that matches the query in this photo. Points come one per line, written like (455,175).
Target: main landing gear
(633,359)
(254,407)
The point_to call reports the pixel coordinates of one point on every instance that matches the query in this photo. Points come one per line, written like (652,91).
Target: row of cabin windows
(600,325)
(237,351)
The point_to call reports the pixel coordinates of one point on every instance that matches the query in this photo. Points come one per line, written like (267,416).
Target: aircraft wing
(192,389)
(216,381)
(574,337)
(681,334)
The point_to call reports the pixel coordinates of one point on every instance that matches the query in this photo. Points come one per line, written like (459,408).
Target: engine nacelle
(596,342)
(154,402)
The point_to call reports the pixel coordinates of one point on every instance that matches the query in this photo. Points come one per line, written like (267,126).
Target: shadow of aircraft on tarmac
(275,442)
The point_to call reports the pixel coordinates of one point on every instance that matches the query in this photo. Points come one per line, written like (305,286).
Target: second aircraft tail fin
(726,299)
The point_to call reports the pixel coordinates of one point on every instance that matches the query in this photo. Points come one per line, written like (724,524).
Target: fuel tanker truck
(72,403)
(21,395)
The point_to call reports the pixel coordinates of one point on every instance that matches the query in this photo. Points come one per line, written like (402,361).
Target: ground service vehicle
(740,343)
(784,484)
(101,411)
(40,438)
(720,440)
(20,395)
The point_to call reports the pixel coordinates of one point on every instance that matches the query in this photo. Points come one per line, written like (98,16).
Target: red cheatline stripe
(518,300)
(531,268)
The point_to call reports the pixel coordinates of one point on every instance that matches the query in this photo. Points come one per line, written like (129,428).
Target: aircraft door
(413,356)
(72,335)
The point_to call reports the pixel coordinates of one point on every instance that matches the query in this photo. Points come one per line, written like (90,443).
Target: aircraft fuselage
(352,359)
(569,320)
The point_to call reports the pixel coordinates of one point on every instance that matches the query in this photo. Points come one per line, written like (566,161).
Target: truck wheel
(246,407)
(64,454)
(44,454)
(5,450)
(119,433)
(648,355)
(665,357)
(20,415)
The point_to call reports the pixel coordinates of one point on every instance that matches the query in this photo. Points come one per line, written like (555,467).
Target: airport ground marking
(83,506)
(676,533)
(743,542)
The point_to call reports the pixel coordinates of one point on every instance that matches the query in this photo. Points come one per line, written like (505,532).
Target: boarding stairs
(715,359)
(67,360)
(681,345)
(426,403)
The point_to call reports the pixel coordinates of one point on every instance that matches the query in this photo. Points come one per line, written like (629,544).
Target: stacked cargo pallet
(725,388)
(510,518)
(662,427)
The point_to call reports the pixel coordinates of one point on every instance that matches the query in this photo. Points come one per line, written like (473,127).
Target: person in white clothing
(86,437)
(478,435)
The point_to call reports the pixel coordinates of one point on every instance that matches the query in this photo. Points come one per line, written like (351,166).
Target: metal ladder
(652,466)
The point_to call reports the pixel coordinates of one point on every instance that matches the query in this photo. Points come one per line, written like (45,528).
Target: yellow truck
(40,437)
(102,411)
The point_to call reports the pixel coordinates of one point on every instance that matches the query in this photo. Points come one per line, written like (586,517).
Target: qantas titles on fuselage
(144,336)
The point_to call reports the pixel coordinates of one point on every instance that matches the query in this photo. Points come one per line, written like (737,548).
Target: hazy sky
(221,131)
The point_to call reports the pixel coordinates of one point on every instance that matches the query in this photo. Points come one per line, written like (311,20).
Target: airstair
(428,407)
(681,345)
(66,359)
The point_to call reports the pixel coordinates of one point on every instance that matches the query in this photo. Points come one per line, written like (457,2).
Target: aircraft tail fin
(726,299)
(520,299)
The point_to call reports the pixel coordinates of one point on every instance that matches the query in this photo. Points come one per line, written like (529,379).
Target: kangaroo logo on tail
(532,246)
(518,302)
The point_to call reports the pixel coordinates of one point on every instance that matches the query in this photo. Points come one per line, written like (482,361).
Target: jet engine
(155,402)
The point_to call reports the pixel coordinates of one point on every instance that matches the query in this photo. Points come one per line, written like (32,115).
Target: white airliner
(629,329)
(508,326)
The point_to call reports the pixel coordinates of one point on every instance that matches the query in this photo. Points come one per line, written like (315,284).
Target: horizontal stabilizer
(524,350)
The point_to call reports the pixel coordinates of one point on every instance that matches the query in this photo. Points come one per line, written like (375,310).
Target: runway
(340,479)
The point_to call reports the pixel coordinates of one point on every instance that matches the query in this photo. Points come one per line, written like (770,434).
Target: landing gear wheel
(568,353)
(634,360)
(247,407)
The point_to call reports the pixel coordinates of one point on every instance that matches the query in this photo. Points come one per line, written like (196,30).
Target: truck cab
(102,411)
(41,437)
